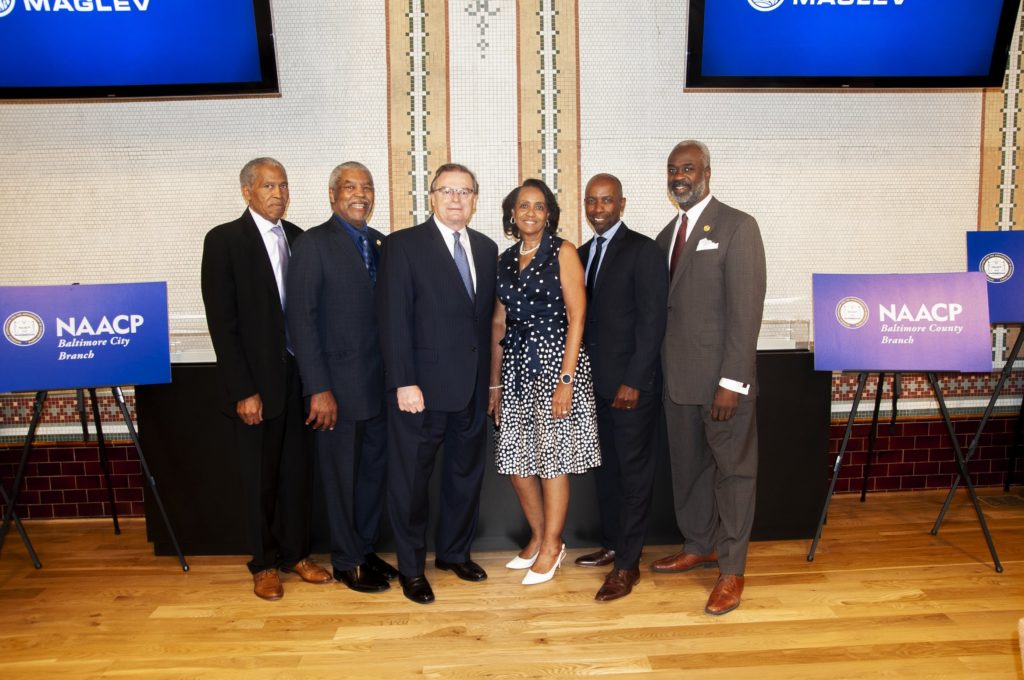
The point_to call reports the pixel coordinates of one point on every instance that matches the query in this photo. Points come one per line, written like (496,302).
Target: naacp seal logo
(23,328)
(6,6)
(852,312)
(997,267)
(761,5)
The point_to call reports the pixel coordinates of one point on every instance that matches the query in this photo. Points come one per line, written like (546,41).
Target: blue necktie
(462,264)
(371,268)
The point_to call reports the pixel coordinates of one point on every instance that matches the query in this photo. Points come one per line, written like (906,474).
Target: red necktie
(677,249)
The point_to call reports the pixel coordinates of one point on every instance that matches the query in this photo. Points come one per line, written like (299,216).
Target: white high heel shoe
(518,562)
(533,578)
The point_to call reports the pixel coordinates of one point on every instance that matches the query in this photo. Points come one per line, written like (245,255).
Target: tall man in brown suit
(715,301)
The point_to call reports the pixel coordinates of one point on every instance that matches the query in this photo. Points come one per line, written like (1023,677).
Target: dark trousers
(412,446)
(275,461)
(353,469)
(714,479)
(625,479)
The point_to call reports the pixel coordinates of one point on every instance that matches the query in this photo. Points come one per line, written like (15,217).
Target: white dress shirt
(448,236)
(608,236)
(270,242)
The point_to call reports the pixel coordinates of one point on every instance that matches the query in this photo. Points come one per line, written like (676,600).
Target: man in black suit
(435,296)
(244,268)
(627,285)
(333,327)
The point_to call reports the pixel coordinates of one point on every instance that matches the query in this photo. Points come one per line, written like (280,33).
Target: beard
(687,198)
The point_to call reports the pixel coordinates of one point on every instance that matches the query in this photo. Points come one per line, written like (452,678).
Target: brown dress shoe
(267,585)
(618,583)
(682,561)
(598,558)
(725,596)
(309,571)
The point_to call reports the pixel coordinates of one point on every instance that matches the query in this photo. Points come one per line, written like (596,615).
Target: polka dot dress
(530,441)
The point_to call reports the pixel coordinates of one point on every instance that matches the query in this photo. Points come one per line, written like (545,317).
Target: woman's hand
(494,405)
(561,402)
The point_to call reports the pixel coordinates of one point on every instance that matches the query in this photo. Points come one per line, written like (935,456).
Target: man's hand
(626,398)
(724,405)
(410,399)
(250,410)
(323,411)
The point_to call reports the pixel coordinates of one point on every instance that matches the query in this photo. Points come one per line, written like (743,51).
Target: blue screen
(856,38)
(99,43)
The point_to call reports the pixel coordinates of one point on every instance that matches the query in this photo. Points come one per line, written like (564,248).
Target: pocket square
(707,244)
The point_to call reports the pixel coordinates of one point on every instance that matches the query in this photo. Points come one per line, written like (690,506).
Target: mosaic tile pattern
(483,110)
(418,112)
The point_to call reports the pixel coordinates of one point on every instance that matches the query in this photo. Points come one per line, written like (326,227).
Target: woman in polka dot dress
(541,395)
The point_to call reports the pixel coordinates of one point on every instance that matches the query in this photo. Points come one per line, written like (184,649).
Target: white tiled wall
(840,182)
(125,191)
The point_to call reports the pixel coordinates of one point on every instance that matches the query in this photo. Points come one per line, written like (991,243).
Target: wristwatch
(566,378)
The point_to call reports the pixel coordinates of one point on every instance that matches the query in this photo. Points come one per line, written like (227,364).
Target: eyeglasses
(449,193)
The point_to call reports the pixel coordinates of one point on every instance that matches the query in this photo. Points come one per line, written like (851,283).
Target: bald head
(603,202)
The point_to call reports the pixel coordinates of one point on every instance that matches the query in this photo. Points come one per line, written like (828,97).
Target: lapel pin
(378,243)
(707,227)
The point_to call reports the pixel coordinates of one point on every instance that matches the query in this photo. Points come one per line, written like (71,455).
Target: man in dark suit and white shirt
(435,296)
(332,323)
(244,269)
(716,298)
(627,283)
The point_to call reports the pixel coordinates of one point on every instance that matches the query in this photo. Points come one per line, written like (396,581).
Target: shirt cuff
(734,385)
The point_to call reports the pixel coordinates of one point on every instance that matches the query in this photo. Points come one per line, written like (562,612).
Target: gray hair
(704,152)
(248,174)
(454,167)
(332,183)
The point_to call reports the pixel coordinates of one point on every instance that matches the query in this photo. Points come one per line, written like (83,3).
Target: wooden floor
(883,599)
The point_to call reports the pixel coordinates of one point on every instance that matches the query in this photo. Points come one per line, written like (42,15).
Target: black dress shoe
(417,589)
(362,579)
(374,563)
(467,571)
(598,558)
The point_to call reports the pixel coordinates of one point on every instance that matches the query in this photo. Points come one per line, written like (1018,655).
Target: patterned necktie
(677,249)
(594,264)
(371,268)
(462,264)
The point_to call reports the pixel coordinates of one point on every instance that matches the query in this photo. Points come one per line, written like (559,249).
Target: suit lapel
(707,217)
(611,251)
(341,243)
(442,254)
(258,255)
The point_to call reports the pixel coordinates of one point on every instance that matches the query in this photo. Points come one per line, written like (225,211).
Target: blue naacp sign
(58,337)
(999,255)
(901,322)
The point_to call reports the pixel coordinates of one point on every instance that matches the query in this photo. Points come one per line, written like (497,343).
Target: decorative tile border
(549,103)
(60,420)
(418,104)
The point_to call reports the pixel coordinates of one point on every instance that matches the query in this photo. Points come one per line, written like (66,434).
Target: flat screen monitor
(59,49)
(849,43)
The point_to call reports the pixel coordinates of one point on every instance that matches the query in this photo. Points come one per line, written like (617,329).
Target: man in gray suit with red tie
(717,282)
(435,297)
(332,320)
